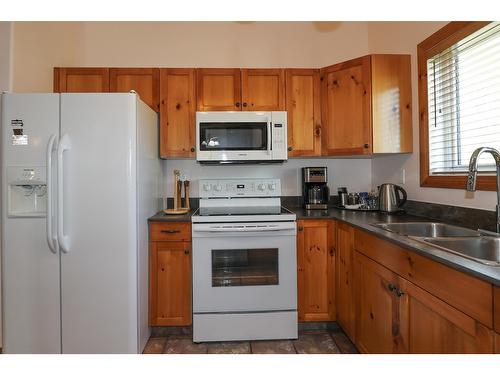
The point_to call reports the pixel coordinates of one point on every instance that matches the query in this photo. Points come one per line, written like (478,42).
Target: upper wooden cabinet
(316,270)
(81,80)
(366,105)
(218,89)
(145,81)
(262,89)
(303,106)
(177,112)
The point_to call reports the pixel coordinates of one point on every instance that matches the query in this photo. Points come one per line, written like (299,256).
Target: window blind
(463,85)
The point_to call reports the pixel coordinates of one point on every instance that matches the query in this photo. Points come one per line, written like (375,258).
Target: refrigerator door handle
(51,238)
(64,145)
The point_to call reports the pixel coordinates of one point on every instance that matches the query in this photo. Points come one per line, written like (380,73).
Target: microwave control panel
(279,136)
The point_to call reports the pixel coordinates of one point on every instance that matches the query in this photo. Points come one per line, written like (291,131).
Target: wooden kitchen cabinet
(263,89)
(170,274)
(344,280)
(316,268)
(177,112)
(221,89)
(497,343)
(438,328)
(144,81)
(303,105)
(378,323)
(218,89)
(366,106)
(408,303)
(81,80)
(496,308)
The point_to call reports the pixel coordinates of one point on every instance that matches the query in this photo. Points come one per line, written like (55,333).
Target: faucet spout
(472,176)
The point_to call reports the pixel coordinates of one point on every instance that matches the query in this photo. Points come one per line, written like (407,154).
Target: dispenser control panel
(26,192)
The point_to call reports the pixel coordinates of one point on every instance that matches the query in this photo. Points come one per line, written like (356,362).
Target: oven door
(244,267)
(226,137)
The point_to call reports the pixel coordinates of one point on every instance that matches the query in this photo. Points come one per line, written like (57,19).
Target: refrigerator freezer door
(30,270)
(99,273)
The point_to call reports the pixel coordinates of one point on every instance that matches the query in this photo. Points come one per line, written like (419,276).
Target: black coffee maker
(314,188)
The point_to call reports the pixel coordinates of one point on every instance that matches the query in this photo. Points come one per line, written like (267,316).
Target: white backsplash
(355,174)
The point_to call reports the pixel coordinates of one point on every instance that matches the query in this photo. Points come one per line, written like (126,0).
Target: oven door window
(233,136)
(244,267)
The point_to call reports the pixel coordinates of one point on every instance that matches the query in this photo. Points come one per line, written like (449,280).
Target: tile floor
(318,341)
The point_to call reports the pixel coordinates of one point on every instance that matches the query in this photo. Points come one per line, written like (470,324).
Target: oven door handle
(241,229)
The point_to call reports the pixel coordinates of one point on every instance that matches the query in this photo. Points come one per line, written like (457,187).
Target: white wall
(403,37)
(355,174)
(5,85)
(39,46)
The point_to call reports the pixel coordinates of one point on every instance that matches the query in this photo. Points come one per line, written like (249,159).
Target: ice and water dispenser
(26,192)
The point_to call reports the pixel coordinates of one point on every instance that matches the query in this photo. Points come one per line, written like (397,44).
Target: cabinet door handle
(317,131)
(300,229)
(290,148)
(399,292)
(391,287)
(366,145)
(237,104)
(332,251)
(193,149)
(170,231)
(244,104)
(186,252)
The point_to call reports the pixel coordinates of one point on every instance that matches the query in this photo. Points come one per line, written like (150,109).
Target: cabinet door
(170,284)
(497,343)
(347,108)
(316,265)
(378,328)
(177,113)
(304,112)
(263,89)
(344,279)
(81,80)
(437,328)
(145,81)
(218,89)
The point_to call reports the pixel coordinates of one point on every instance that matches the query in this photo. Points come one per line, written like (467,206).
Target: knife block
(178,209)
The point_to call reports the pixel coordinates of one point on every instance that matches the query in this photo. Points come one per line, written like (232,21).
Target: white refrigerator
(80,177)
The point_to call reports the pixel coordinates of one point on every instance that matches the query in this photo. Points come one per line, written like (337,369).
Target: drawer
(468,294)
(169,231)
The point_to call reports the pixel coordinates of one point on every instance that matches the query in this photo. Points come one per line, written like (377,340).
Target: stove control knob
(207,187)
(272,187)
(218,187)
(262,187)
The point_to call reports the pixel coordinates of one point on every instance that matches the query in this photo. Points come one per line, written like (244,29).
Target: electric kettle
(389,199)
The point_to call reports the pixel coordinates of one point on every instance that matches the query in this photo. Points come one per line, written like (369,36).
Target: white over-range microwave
(241,137)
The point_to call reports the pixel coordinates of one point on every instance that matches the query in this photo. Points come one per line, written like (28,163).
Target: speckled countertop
(364,220)
(162,216)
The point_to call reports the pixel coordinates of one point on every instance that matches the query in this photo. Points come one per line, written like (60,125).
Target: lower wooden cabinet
(497,343)
(436,327)
(344,281)
(396,316)
(377,309)
(170,279)
(316,269)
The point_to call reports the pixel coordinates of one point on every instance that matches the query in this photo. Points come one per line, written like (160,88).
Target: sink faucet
(472,177)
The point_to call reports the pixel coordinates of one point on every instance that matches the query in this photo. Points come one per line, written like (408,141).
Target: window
(459,91)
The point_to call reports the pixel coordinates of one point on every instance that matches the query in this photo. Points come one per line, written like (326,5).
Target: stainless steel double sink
(465,242)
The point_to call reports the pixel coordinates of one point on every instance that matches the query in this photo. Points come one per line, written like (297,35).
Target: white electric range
(244,262)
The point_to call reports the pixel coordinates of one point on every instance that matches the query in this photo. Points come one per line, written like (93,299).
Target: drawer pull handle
(170,231)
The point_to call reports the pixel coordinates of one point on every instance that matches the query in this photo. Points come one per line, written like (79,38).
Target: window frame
(434,44)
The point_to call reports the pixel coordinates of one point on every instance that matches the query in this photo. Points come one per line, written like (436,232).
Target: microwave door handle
(269,137)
